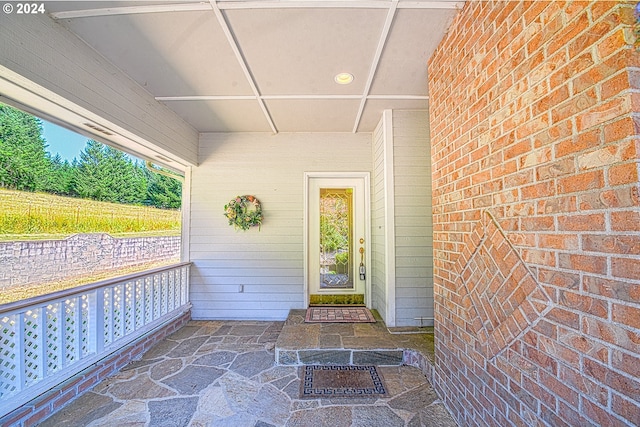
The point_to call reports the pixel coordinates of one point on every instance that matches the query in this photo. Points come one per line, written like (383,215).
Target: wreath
(240,216)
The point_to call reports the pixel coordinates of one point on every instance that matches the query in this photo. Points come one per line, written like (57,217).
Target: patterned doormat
(339,315)
(341,381)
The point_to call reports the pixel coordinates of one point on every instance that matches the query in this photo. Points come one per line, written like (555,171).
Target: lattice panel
(9,380)
(108,316)
(185,286)
(140,303)
(148,299)
(184,298)
(32,348)
(129,307)
(157,296)
(165,296)
(70,330)
(86,326)
(174,297)
(118,312)
(53,338)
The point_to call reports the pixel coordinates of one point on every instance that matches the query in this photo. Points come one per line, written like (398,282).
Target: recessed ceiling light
(344,78)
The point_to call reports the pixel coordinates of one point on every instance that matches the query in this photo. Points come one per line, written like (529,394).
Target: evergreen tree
(23,159)
(59,180)
(88,177)
(106,174)
(124,178)
(163,192)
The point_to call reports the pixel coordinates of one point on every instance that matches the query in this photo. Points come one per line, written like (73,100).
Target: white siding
(268,263)
(413,219)
(378,223)
(56,64)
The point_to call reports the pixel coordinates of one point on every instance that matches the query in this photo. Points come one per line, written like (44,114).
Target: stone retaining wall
(29,262)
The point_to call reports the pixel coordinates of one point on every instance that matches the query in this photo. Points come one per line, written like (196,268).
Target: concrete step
(303,343)
(339,357)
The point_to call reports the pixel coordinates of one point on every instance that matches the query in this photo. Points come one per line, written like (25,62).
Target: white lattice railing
(47,339)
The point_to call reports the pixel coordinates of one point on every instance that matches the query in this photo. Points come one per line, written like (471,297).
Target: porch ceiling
(269,66)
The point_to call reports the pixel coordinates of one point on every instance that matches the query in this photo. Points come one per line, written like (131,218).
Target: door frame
(365,176)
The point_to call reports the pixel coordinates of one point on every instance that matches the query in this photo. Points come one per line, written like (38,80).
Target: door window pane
(336,238)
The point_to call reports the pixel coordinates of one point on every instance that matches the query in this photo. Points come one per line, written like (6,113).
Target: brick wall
(28,262)
(537,214)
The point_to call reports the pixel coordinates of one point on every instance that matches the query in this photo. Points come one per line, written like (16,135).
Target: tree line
(101,173)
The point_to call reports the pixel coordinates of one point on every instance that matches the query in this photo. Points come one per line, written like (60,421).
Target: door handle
(362,268)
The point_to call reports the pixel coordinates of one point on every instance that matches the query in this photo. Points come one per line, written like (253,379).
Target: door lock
(362,268)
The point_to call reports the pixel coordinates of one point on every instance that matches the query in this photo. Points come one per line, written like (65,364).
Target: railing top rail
(41,299)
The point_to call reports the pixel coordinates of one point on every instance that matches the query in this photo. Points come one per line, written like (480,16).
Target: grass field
(26,215)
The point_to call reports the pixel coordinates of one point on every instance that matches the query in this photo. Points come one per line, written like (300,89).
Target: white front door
(337,235)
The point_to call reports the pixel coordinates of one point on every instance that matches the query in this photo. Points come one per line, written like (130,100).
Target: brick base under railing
(55,399)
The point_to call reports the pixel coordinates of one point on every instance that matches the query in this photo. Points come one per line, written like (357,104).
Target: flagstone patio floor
(224,373)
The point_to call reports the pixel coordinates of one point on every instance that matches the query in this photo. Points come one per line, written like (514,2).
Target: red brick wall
(537,214)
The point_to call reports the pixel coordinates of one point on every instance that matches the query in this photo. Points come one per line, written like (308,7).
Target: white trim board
(390,222)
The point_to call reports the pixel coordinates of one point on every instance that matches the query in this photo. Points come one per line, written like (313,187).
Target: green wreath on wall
(239,213)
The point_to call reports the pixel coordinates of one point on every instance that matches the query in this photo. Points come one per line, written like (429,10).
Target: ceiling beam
(268,97)
(376,59)
(301,4)
(234,5)
(243,63)
(431,5)
(207,98)
(351,4)
(131,10)
(404,97)
(311,97)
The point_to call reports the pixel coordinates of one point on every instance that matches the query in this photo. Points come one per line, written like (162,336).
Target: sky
(62,141)
(67,143)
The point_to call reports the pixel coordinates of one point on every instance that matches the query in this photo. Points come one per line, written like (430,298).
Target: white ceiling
(269,66)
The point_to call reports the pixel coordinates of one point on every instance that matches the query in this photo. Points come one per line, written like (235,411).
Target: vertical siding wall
(269,263)
(534,126)
(413,218)
(402,232)
(378,225)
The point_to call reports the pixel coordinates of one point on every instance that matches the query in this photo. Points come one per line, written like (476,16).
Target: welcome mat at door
(341,381)
(339,315)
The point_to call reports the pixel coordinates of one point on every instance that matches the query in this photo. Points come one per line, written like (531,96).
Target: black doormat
(341,381)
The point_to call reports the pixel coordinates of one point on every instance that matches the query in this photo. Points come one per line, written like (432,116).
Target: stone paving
(223,373)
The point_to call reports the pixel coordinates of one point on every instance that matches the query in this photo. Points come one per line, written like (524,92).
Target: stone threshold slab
(339,357)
